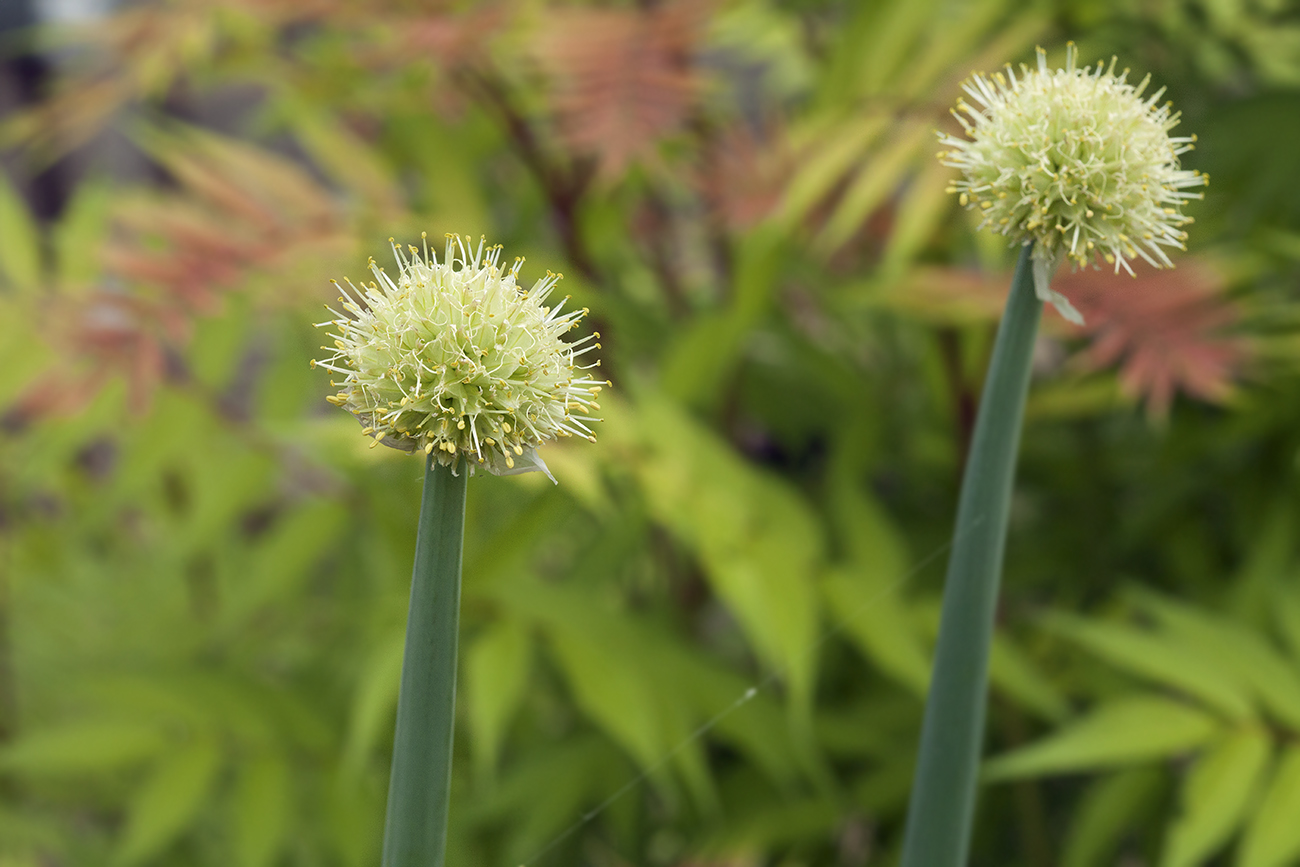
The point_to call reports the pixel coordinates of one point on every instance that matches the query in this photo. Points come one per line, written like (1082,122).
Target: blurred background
(203,568)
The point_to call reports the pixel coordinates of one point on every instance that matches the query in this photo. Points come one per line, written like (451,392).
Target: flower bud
(457,361)
(1076,162)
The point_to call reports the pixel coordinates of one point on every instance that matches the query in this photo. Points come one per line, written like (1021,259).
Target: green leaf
(260,801)
(628,676)
(703,355)
(284,557)
(622,703)
(20,252)
(756,537)
(1161,658)
(1243,654)
(1014,674)
(83,747)
(624,696)
(496,677)
(1286,609)
(80,234)
(869,608)
(1123,732)
(865,596)
(1110,807)
(346,159)
(375,699)
(1272,837)
(879,177)
(702,358)
(577,772)
(919,214)
(1215,796)
(165,806)
(835,151)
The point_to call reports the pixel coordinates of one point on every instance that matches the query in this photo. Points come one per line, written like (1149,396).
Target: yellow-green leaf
(1111,806)
(167,803)
(1014,674)
(1215,796)
(260,801)
(1274,680)
(1272,837)
(870,609)
(375,701)
(1163,659)
(1123,732)
(496,675)
(84,747)
(20,243)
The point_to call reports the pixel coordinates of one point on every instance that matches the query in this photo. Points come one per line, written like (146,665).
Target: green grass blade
(943,792)
(415,828)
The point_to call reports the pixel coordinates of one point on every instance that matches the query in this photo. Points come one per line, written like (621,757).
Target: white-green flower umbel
(456,360)
(1076,162)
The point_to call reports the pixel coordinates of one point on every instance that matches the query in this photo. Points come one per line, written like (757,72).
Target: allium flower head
(1076,162)
(457,360)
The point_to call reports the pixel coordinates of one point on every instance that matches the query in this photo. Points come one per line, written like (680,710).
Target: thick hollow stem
(415,828)
(943,792)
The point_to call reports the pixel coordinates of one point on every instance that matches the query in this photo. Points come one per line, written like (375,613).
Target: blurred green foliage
(709,644)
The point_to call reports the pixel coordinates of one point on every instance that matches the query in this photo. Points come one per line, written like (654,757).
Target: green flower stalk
(458,363)
(1067,163)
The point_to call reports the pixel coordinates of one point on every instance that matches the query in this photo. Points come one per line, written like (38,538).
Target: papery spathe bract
(456,360)
(1076,162)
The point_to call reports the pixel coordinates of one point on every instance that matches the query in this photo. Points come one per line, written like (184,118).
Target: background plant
(203,569)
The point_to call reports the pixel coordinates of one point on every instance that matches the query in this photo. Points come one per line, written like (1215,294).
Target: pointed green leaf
(167,803)
(1163,659)
(1215,796)
(622,703)
(1123,732)
(260,801)
(375,700)
(625,674)
(1014,674)
(283,559)
(756,537)
(347,159)
(1286,609)
(80,233)
(1272,837)
(833,153)
(879,176)
(20,242)
(865,596)
(1110,807)
(496,677)
(84,747)
(868,607)
(1274,680)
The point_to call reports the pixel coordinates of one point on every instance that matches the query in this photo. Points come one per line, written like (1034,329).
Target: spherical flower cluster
(456,360)
(1076,162)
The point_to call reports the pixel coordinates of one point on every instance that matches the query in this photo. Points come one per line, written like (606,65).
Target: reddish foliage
(623,78)
(239,211)
(448,40)
(1168,330)
(744,174)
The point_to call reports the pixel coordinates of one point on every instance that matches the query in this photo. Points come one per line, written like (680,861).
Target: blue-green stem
(415,828)
(943,792)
